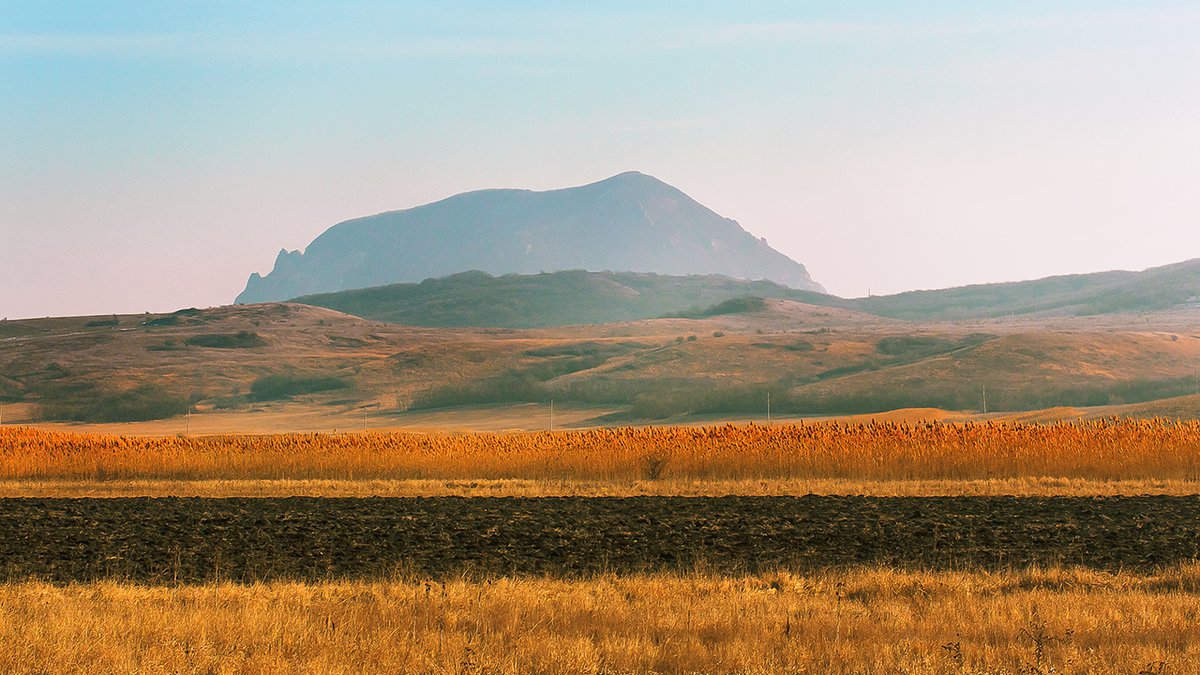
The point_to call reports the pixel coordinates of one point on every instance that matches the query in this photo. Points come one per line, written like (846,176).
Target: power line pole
(768,408)
(551,414)
(187,428)
(985,399)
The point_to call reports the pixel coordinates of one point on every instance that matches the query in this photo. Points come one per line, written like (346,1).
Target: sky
(154,154)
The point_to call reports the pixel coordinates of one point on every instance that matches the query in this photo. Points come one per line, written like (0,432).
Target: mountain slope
(630,222)
(552,299)
(578,297)
(1157,288)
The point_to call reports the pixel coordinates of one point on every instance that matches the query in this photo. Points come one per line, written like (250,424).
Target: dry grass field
(849,621)
(664,487)
(840,620)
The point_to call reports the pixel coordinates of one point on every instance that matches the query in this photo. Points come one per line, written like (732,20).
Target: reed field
(1092,457)
(849,621)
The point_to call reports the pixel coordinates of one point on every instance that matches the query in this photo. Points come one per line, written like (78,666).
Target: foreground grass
(515,487)
(872,621)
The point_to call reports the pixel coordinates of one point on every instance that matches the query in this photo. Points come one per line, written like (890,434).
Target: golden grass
(516,487)
(858,621)
(1107,450)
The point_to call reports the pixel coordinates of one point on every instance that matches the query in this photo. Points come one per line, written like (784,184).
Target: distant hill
(1154,289)
(552,299)
(578,297)
(630,222)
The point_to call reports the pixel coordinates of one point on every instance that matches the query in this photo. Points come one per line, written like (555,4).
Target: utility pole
(768,408)
(985,399)
(551,414)
(1,414)
(187,428)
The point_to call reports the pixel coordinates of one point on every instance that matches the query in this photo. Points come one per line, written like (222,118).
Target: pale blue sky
(153,154)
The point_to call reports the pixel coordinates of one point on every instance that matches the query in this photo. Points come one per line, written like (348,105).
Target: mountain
(630,222)
(550,299)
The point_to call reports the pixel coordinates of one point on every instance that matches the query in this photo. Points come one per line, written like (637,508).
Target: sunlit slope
(810,360)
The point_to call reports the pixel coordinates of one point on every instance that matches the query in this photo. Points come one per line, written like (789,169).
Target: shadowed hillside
(557,299)
(574,297)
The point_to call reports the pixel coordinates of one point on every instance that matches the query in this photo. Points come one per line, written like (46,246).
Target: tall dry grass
(860,621)
(522,487)
(1109,450)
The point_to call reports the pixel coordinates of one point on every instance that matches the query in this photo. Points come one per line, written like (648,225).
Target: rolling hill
(1154,289)
(263,361)
(551,299)
(629,222)
(578,297)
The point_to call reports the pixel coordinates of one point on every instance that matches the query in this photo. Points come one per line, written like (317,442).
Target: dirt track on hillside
(197,539)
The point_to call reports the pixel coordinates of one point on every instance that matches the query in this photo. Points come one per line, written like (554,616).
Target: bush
(241,340)
(171,320)
(147,402)
(744,305)
(510,387)
(913,347)
(275,387)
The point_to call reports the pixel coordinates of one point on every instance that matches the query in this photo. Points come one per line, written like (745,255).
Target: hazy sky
(153,154)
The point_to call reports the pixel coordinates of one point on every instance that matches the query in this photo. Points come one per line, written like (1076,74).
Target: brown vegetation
(518,487)
(866,620)
(1106,450)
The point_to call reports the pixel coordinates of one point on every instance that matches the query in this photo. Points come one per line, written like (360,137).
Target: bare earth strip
(1020,487)
(847,621)
(167,540)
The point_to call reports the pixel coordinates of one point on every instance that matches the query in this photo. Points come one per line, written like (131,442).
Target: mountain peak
(630,222)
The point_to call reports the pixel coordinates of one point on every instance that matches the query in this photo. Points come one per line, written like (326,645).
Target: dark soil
(193,539)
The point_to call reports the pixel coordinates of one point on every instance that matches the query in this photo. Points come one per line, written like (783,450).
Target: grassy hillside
(578,297)
(267,359)
(552,299)
(1075,295)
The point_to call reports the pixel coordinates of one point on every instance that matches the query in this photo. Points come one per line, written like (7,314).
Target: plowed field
(198,539)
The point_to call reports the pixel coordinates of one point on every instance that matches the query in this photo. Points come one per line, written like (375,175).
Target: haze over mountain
(630,222)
